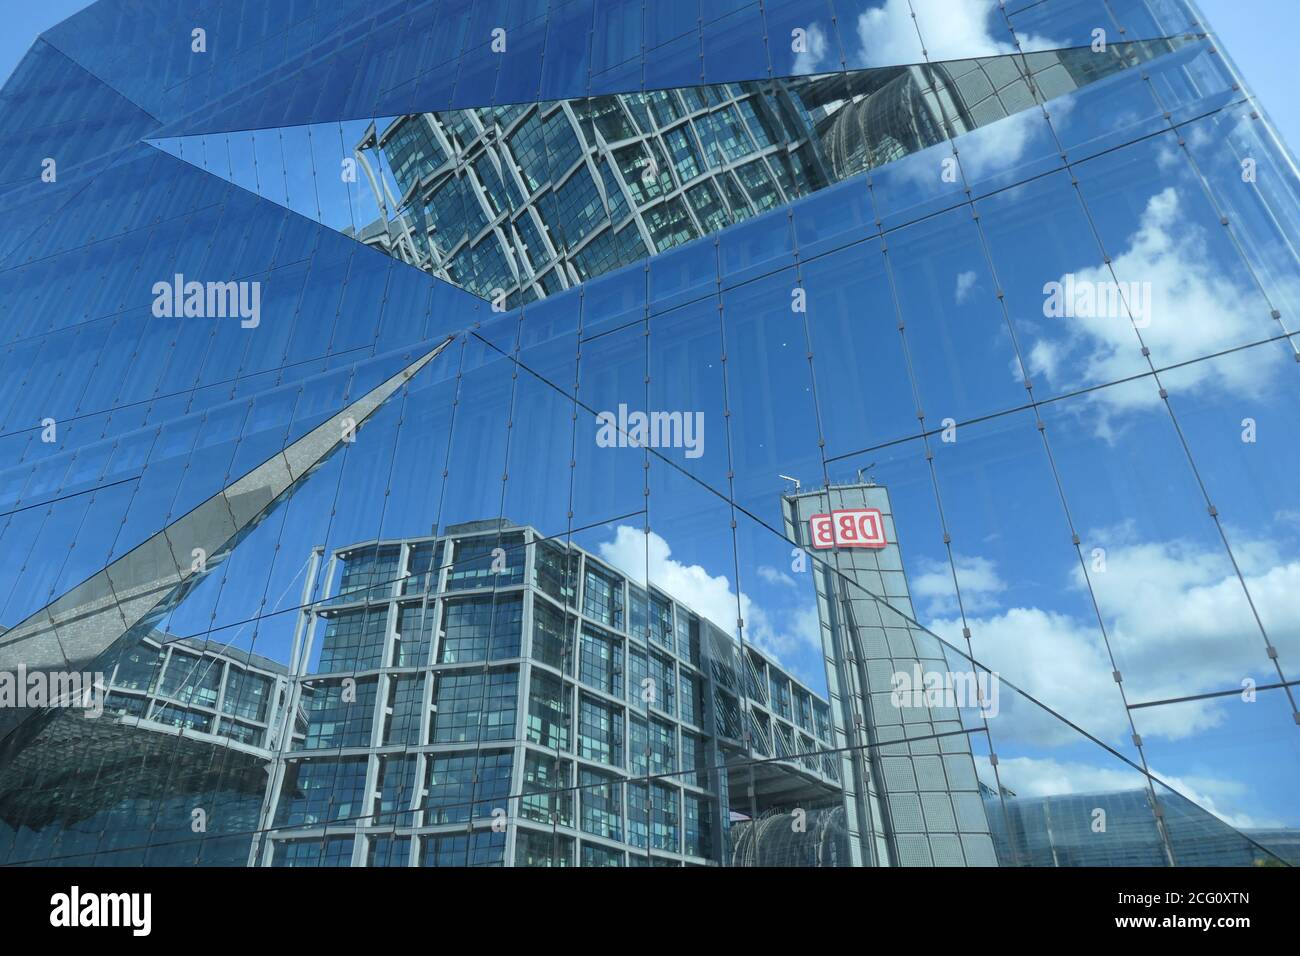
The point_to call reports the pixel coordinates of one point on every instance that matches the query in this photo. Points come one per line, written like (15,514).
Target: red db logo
(855,528)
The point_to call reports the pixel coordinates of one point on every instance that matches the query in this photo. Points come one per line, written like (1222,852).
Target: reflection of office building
(906,804)
(529,200)
(210,690)
(489,697)
(1118,829)
(187,725)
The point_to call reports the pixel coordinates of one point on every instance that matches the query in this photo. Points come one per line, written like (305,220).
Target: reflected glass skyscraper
(583,432)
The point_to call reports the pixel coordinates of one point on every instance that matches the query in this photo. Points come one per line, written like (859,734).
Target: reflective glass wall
(803,433)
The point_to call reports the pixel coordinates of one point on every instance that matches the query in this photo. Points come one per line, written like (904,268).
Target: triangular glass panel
(517,203)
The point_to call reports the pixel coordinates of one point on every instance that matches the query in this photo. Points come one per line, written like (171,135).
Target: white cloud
(999,146)
(977,577)
(1195,309)
(951,29)
(1177,614)
(1056,660)
(817,58)
(965,282)
(1046,777)
(780,634)
(772,576)
(1177,619)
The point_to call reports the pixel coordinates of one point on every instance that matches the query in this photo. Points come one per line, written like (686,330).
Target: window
(388,851)
(555,572)
(530,238)
(528,145)
(549,711)
(598,256)
(664,106)
(615,200)
(779,686)
(689,698)
(322,791)
(486,561)
(686,156)
(182,717)
(760,184)
(481,628)
(595,855)
(542,849)
(610,120)
(724,136)
(562,145)
(139,668)
(698,826)
(669,224)
(823,717)
(602,804)
(480,848)
(693,760)
(414,635)
(728,714)
(638,613)
(454,213)
(553,637)
(548,797)
(803,709)
(638,678)
(192,679)
(601,661)
(579,207)
(663,747)
(602,597)
(242,732)
(353,641)
(453,792)
(661,620)
(422,568)
(374,568)
(340,714)
(396,783)
(688,637)
(756,119)
(664,683)
(247,695)
(334,851)
(411,151)
(406,706)
(473,706)
(654,821)
(600,731)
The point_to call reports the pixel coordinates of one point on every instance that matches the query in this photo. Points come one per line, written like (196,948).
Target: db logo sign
(858,528)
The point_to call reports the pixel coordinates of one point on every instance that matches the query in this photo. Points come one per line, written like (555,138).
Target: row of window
(471,786)
(703,130)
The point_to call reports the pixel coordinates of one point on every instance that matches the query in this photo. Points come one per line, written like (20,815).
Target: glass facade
(593,433)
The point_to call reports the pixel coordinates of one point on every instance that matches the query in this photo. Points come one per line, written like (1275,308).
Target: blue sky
(1259,35)
(24,22)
